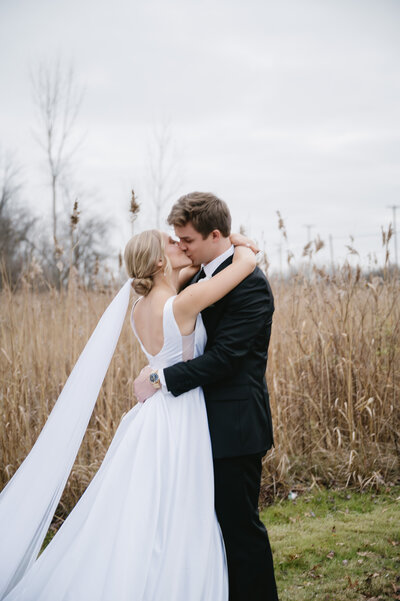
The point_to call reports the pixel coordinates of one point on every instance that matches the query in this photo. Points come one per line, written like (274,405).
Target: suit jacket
(232,368)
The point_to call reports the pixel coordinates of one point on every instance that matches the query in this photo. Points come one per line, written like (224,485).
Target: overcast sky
(273,105)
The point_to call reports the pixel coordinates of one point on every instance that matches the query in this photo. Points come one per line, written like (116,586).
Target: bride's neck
(168,282)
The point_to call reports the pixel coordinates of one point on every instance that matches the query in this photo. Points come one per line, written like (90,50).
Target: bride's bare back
(148,316)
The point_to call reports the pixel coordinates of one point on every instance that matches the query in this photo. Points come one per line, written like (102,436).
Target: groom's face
(198,249)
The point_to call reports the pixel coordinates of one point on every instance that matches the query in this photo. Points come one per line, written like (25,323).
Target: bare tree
(90,248)
(16,223)
(83,249)
(58,99)
(164,170)
(11,181)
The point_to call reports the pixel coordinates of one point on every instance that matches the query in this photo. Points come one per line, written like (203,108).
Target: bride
(145,528)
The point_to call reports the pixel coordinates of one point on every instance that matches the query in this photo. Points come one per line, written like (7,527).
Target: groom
(232,374)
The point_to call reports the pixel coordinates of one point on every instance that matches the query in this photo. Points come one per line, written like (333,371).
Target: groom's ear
(216,235)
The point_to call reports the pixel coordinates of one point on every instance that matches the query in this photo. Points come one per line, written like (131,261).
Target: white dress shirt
(209,269)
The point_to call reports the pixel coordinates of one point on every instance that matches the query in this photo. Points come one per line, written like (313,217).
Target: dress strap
(131,317)
(169,324)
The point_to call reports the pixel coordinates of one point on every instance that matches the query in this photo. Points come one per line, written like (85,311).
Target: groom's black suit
(232,374)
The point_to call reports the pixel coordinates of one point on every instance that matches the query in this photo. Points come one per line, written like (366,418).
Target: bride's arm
(186,274)
(197,297)
(241,240)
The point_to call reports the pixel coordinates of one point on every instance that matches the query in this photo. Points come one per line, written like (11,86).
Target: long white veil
(28,502)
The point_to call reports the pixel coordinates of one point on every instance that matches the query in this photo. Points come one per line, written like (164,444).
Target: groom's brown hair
(205,211)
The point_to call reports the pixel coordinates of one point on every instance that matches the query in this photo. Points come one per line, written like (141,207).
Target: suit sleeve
(249,309)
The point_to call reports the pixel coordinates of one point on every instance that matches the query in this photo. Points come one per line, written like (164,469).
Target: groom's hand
(142,386)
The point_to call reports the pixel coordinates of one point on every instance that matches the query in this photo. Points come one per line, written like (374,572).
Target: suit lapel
(224,264)
(212,314)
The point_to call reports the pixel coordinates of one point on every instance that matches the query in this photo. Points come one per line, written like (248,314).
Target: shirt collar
(215,263)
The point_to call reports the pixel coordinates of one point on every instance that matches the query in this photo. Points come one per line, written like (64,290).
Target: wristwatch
(155,380)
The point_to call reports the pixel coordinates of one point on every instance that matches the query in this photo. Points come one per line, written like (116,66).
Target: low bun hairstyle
(141,256)
(142,286)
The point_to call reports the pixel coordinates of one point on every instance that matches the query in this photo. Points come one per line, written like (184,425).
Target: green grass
(336,545)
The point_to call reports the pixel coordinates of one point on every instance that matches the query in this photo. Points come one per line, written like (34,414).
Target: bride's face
(175,254)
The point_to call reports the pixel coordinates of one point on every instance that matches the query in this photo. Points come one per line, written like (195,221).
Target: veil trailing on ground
(28,502)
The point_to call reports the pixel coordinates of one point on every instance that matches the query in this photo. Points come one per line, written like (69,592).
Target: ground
(336,545)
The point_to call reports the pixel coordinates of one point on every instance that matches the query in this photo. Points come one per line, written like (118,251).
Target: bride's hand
(241,240)
(142,387)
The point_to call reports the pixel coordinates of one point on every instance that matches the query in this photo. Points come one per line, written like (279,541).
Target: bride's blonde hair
(142,254)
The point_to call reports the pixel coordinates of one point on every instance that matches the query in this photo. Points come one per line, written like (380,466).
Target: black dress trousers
(250,564)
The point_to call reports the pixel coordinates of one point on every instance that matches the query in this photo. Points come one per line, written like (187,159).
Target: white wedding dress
(145,529)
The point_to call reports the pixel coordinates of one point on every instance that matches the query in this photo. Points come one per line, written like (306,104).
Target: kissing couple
(172,513)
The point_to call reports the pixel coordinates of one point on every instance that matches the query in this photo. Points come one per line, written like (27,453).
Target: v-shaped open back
(175,347)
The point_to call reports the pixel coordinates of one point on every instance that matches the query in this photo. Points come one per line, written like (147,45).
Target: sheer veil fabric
(145,528)
(28,502)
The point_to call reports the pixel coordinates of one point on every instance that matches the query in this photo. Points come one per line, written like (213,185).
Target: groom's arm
(249,309)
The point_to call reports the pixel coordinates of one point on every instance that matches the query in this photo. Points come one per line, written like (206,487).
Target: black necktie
(200,275)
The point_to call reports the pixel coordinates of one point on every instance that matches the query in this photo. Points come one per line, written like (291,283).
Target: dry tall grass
(333,373)
(333,378)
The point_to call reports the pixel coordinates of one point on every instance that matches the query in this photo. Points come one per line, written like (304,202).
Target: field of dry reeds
(334,380)
(333,375)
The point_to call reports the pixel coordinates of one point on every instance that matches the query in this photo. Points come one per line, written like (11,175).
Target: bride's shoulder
(153,304)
